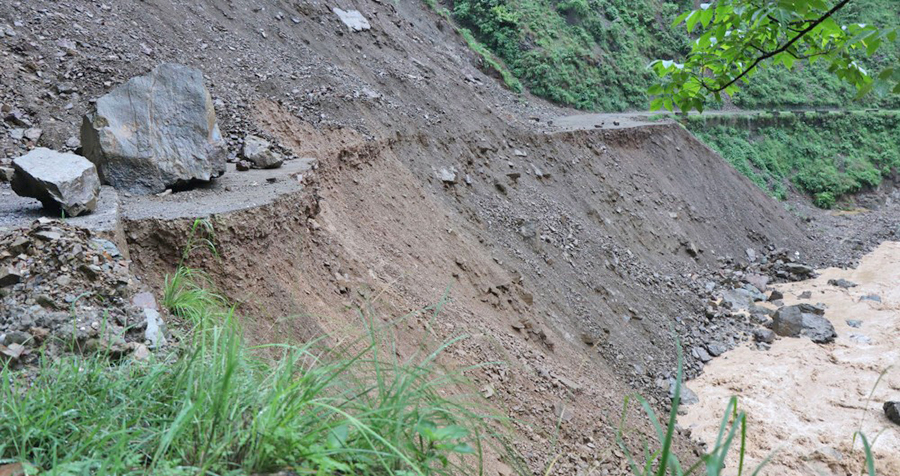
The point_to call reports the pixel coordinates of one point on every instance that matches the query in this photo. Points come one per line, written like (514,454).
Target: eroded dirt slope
(569,256)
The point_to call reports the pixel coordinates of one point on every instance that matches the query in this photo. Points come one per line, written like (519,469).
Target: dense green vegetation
(824,156)
(593,54)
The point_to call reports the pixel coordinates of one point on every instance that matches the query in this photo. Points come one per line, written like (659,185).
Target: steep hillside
(570,259)
(592,54)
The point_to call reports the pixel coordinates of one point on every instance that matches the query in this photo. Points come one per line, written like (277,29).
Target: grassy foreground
(215,406)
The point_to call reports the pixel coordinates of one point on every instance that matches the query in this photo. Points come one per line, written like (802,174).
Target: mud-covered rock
(61,181)
(803,320)
(155,131)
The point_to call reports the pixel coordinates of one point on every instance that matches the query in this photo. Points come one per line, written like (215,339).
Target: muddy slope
(573,276)
(570,256)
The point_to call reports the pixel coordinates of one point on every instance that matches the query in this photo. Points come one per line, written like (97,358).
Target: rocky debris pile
(66,183)
(64,290)
(892,411)
(803,320)
(737,302)
(155,131)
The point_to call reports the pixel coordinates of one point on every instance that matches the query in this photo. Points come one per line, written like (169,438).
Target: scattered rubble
(64,290)
(155,131)
(62,182)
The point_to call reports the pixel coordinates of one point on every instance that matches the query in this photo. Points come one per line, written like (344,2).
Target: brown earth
(570,257)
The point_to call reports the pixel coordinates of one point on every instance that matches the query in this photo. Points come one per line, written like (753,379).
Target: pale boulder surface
(155,131)
(62,182)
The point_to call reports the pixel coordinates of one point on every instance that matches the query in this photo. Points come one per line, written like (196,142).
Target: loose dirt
(805,401)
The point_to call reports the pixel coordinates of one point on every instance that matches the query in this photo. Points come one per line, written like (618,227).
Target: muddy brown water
(805,401)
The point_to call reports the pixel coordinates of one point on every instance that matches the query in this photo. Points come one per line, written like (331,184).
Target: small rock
(6,174)
(799,269)
(447,175)
(776,295)
(854,323)
(156,328)
(8,277)
(243,165)
(33,134)
(805,295)
(892,411)
(861,339)
(140,353)
(871,297)
(764,335)
(842,283)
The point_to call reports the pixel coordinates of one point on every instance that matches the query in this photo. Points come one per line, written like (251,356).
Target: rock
(447,175)
(716,349)
(8,277)
(739,298)
(33,134)
(259,152)
(842,283)
(61,181)
(144,300)
(701,354)
(776,295)
(765,336)
(353,19)
(892,411)
(688,397)
(799,269)
(805,295)
(861,339)
(155,131)
(751,255)
(856,324)
(871,297)
(792,321)
(155,330)
(759,282)
(140,353)
(243,165)
(6,174)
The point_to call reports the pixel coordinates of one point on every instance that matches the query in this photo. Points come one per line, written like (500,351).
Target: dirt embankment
(568,257)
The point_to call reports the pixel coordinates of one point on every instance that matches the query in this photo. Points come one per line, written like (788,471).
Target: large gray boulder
(803,320)
(155,131)
(62,182)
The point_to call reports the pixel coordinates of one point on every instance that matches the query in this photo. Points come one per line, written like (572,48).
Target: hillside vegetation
(592,54)
(826,157)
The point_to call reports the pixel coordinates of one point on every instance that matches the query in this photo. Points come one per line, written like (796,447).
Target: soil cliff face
(569,257)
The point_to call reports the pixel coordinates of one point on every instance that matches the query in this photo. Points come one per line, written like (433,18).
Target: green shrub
(826,157)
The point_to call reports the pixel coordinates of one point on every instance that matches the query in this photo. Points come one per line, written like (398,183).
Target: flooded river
(804,401)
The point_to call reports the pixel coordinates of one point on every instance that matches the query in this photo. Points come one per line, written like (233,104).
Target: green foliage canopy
(737,38)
